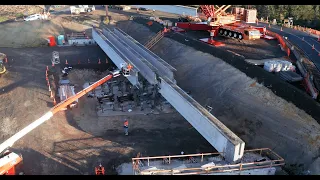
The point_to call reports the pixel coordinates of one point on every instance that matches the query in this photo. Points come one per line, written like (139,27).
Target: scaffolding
(269,159)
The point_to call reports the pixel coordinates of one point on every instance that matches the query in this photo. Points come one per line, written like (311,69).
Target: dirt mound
(28,34)
(16,10)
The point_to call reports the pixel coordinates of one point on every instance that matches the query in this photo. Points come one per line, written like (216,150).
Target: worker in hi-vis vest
(125,126)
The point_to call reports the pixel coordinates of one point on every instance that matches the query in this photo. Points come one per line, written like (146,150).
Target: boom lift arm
(9,142)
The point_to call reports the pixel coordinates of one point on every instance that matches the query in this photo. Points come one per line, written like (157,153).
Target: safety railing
(275,160)
(154,40)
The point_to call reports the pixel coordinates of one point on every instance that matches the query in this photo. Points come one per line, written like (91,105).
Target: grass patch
(3,19)
(19,15)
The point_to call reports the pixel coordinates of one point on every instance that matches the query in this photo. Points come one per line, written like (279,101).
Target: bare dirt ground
(251,110)
(13,11)
(76,141)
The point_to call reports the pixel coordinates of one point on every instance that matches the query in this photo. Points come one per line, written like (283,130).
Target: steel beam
(215,132)
(163,67)
(174,9)
(145,68)
(114,54)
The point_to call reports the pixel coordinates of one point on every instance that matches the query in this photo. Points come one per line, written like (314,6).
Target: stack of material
(278,65)
(289,76)
(250,15)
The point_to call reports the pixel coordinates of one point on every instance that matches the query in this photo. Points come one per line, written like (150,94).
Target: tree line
(303,15)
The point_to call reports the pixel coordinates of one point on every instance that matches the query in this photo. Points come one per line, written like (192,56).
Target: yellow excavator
(2,67)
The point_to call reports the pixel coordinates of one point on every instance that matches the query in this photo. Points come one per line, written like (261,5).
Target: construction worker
(126,126)
(99,170)
(129,67)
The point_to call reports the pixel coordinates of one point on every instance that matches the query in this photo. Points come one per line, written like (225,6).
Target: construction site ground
(74,142)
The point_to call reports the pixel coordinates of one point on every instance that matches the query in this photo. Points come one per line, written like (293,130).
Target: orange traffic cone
(107,61)
(165,30)
(51,95)
(66,61)
(280,28)
(312,46)
(99,62)
(88,60)
(78,61)
(54,101)
(269,26)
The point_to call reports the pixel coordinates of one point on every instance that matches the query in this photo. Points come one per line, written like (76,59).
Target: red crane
(219,22)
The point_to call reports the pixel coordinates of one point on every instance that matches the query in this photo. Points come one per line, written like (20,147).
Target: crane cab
(251,34)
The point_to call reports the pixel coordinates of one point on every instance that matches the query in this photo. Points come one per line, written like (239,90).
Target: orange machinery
(10,160)
(221,23)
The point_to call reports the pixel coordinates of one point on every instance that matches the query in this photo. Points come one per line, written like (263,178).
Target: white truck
(77,9)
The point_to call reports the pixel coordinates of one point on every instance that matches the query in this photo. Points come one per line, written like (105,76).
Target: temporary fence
(281,41)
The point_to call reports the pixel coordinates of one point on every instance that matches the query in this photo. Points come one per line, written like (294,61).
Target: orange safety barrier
(281,41)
